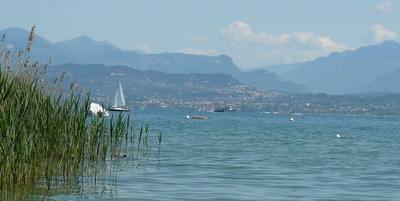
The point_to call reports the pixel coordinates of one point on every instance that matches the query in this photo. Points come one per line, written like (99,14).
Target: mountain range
(368,69)
(85,50)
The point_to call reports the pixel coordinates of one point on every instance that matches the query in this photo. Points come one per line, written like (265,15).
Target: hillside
(206,91)
(350,71)
(85,50)
(268,80)
(102,82)
(389,83)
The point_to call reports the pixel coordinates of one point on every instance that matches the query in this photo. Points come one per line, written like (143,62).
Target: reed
(47,138)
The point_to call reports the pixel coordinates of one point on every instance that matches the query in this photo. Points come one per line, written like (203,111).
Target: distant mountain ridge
(367,69)
(85,50)
(102,80)
(388,83)
(206,91)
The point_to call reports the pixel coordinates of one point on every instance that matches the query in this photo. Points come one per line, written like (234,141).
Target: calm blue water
(257,156)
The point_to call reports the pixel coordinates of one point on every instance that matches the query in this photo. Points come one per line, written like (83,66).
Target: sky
(253,32)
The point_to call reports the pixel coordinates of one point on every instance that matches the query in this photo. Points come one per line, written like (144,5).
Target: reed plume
(31,38)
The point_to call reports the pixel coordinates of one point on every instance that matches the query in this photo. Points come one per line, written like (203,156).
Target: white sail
(119,100)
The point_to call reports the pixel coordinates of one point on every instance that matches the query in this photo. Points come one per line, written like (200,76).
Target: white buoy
(187,116)
(291,119)
(338,135)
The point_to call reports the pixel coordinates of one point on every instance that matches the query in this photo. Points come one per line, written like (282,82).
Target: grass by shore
(47,137)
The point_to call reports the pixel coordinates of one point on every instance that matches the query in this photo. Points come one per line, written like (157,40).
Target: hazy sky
(253,32)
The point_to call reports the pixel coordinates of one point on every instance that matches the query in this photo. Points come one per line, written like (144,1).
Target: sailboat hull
(118,109)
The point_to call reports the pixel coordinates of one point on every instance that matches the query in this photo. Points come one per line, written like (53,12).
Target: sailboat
(119,101)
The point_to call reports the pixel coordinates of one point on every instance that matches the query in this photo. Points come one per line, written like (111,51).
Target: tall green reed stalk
(47,138)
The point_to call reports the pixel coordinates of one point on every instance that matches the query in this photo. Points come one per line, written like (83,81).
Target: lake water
(258,156)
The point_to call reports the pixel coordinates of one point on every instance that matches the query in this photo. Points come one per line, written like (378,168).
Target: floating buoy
(187,117)
(338,135)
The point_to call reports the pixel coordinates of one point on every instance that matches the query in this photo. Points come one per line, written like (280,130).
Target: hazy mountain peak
(18,38)
(15,31)
(390,43)
(348,72)
(85,41)
(82,39)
